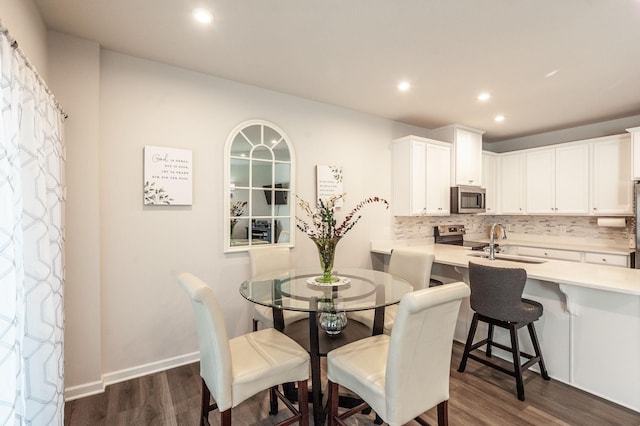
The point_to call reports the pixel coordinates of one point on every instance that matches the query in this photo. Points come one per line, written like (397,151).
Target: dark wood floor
(480,396)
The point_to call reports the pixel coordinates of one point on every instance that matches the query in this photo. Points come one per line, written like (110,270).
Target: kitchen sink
(508,258)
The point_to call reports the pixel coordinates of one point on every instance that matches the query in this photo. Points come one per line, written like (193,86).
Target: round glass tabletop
(296,290)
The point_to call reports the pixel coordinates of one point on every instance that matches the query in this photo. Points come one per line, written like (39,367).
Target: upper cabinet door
(512,169)
(540,182)
(468,158)
(490,181)
(438,183)
(572,179)
(635,146)
(466,144)
(611,183)
(409,181)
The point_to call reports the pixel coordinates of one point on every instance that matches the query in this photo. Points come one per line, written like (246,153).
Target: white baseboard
(80,391)
(92,388)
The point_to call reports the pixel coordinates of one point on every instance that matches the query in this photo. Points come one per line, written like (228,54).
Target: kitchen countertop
(569,244)
(600,277)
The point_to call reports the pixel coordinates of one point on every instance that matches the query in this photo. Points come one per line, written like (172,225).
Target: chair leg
(225,417)
(536,348)
(273,401)
(489,340)
(517,367)
(333,402)
(204,405)
(443,413)
(255,324)
(467,346)
(303,402)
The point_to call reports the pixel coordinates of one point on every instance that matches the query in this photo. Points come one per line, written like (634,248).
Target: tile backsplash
(551,226)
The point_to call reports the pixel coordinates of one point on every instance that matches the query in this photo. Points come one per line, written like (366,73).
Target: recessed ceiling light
(499,118)
(404,86)
(484,96)
(551,73)
(203,16)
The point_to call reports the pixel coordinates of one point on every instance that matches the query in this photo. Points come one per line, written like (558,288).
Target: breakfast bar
(590,329)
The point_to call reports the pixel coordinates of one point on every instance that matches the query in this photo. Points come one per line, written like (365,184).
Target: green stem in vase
(326,251)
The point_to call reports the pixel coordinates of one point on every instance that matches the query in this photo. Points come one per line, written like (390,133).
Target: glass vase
(327,251)
(331,320)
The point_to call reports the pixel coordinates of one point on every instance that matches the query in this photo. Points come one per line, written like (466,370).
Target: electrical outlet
(563,229)
(632,243)
(508,227)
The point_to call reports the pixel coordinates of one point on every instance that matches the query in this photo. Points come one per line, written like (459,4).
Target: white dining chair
(266,262)
(234,370)
(412,265)
(407,373)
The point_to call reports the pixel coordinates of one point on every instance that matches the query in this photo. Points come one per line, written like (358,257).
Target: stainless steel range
(454,235)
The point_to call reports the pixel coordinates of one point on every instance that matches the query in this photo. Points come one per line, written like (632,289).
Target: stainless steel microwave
(468,199)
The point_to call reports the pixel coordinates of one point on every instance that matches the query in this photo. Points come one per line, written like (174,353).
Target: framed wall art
(168,176)
(329,182)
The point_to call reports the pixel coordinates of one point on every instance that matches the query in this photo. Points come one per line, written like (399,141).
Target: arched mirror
(259,181)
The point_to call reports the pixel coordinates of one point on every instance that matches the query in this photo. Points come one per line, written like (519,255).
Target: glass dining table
(297,290)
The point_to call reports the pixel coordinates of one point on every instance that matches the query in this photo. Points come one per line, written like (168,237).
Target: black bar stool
(496,298)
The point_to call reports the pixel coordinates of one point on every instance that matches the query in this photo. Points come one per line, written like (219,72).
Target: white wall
(23,20)
(122,299)
(145,315)
(75,78)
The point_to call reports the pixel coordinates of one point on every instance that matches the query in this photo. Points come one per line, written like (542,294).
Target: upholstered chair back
(215,353)
(497,292)
(264,260)
(412,265)
(419,358)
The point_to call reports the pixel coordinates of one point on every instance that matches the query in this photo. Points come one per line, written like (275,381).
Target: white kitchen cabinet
(490,181)
(557,180)
(611,183)
(511,184)
(545,253)
(421,177)
(466,143)
(635,146)
(607,259)
(540,182)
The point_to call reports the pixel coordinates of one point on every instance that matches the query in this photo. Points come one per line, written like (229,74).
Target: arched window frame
(254,188)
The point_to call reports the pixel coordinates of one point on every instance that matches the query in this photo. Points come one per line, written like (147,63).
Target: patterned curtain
(31,245)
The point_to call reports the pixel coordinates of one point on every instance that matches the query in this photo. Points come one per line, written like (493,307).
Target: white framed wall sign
(329,182)
(168,176)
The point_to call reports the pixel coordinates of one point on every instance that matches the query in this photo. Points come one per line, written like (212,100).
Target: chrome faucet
(492,236)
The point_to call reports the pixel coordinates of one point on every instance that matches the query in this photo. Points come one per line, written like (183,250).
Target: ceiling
(353,53)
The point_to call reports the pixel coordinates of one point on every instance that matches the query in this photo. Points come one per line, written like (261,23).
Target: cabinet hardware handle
(604,260)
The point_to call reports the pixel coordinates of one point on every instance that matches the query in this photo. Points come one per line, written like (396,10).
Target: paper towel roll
(614,222)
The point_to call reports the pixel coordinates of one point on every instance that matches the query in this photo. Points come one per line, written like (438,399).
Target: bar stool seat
(496,298)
